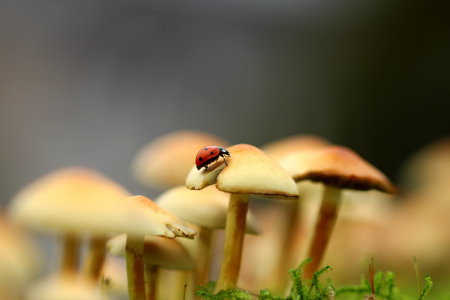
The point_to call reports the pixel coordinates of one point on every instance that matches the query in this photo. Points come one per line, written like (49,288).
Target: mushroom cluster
(296,198)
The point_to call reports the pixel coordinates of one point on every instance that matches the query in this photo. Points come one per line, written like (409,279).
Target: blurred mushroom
(207,209)
(336,167)
(158,253)
(249,171)
(166,161)
(73,201)
(155,221)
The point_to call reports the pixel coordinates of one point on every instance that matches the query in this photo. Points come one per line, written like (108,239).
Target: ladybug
(210,154)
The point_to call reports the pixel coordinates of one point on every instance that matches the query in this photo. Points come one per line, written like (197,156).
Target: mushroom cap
(158,251)
(151,219)
(249,171)
(207,207)
(72,199)
(337,166)
(19,259)
(166,161)
(64,288)
(291,144)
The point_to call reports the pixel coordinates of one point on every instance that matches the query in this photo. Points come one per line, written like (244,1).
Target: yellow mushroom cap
(249,171)
(288,145)
(71,199)
(151,219)
(64,288)
(158,251)
(166,161)
(207,207)
(337,166)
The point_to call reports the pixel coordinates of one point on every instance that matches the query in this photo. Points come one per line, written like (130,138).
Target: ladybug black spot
(206,148)
(212,152)
(200,158)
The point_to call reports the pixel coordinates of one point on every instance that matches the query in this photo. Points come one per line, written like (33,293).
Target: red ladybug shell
(209,154)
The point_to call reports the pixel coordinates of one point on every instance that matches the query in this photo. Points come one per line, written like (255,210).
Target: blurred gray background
(90,82)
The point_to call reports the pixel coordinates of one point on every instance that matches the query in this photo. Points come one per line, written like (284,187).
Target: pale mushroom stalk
(234,239)
(323,228)
(206,240)
(96,257)
(135,267)
(70,253)
(151,279)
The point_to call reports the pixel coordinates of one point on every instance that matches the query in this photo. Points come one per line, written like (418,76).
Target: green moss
(381,285)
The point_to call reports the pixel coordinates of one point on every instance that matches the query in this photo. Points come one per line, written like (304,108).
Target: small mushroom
(336,167)
(166,161)
(207,209)
(249,171)
(149,219)
(158,253)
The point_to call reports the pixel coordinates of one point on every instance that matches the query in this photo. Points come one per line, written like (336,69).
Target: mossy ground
(378,285)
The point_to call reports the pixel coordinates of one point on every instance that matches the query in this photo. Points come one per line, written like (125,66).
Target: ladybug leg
(225,160)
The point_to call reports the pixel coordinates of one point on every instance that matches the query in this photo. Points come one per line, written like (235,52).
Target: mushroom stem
(323,229)
(135,267)
(70,253)
(291,236)
(234,238)
(95,258)
(204,255)
(151,279)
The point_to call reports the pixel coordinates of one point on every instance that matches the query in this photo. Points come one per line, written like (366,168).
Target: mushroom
(73,201)
(166,161)
(292,226)
(249,171)
(150,219)
(336,167)
(207,209)
(158,253)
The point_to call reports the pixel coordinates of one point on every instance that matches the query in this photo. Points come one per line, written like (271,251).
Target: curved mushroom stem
(70,253)
(135,267)
(204,255)
(96,257)
(234,238)
(324,227)
(151,279)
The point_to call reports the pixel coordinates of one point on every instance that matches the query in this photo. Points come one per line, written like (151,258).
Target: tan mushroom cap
(72,199)
(158,251)
(249,171)
(166,161)
(336,166)
(153,220)
(207,207)
(64,288)
(19,259)
(288,145)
